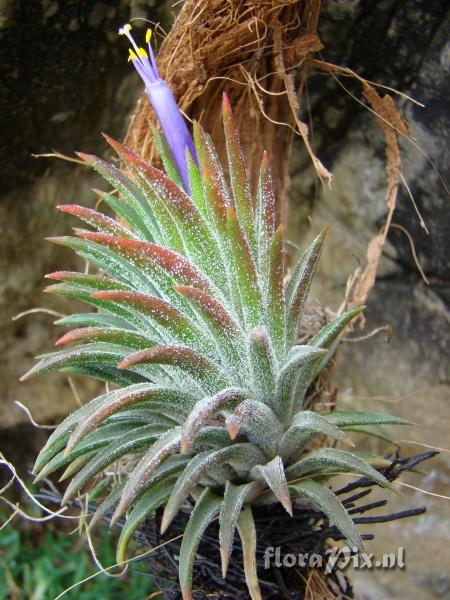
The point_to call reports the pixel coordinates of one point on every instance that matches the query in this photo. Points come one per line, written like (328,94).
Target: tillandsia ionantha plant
(195,323)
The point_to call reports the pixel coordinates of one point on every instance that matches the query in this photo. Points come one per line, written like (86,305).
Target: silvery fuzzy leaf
(327,461)
(238,456)
(325,500)
(258,423)
(300,283)
(247,533)
(156,495)
(273,473)
(294,378)
(306,425)
(233,499)
(205,510)
(167,444)
(130,442)
(205,409)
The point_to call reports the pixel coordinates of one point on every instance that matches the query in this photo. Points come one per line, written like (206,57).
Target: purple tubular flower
(164,104)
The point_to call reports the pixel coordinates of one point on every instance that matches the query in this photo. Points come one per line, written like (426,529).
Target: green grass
(39,561)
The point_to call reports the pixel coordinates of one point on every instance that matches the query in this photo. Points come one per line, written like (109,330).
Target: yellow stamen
(142,53)
(132,55)
(125,29)
(148,36)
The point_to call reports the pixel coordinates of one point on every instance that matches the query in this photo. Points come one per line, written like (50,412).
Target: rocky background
(404,45)
(65,78)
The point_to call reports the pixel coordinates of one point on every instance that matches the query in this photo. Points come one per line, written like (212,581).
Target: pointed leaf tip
(226,105)
(116,145)
(88,158)
(69,208)
(233,427)
(64,339)
(273,474)
(56,239)
(56,275)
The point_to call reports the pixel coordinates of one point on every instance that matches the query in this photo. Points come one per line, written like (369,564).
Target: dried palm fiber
(246,47)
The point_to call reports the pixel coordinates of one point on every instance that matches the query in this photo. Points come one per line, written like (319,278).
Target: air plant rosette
(195,323)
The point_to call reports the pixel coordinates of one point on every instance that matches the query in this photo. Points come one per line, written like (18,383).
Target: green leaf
(127,214)
(330,460)
(108,374)
(171,323)
(300,283)
(112,402)
(212,437)
(205,409)
(131,441)
(375,432)
(206,372)
(223,329)
(184,228)
(122,337)
(98,220)
(294,379)
(350,419)
(205,510)
(149,502)
(233,500)
(258,423)
(94,441)
(143,216)
(77,464)
(166,157)
(161,267)
(263,365)
(106,507)
(238,456)
(275,304)
(157,397)
(265,213)
(326,338)
(129,275)
(97,319)
(167,444)
(216,194)
(238,177)
(325,500)
(273,474)
(132,318)
(243,271)
(96,353)
(307,425)
(247,533)
(195,184)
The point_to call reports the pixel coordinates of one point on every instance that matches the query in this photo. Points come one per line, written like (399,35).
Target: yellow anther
(142,53)
(148,36)
(125,29)
(132,55)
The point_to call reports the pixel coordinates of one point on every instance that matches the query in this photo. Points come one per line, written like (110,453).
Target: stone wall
(402,45)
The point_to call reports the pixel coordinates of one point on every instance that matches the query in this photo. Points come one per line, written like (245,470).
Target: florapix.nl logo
(334,559)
